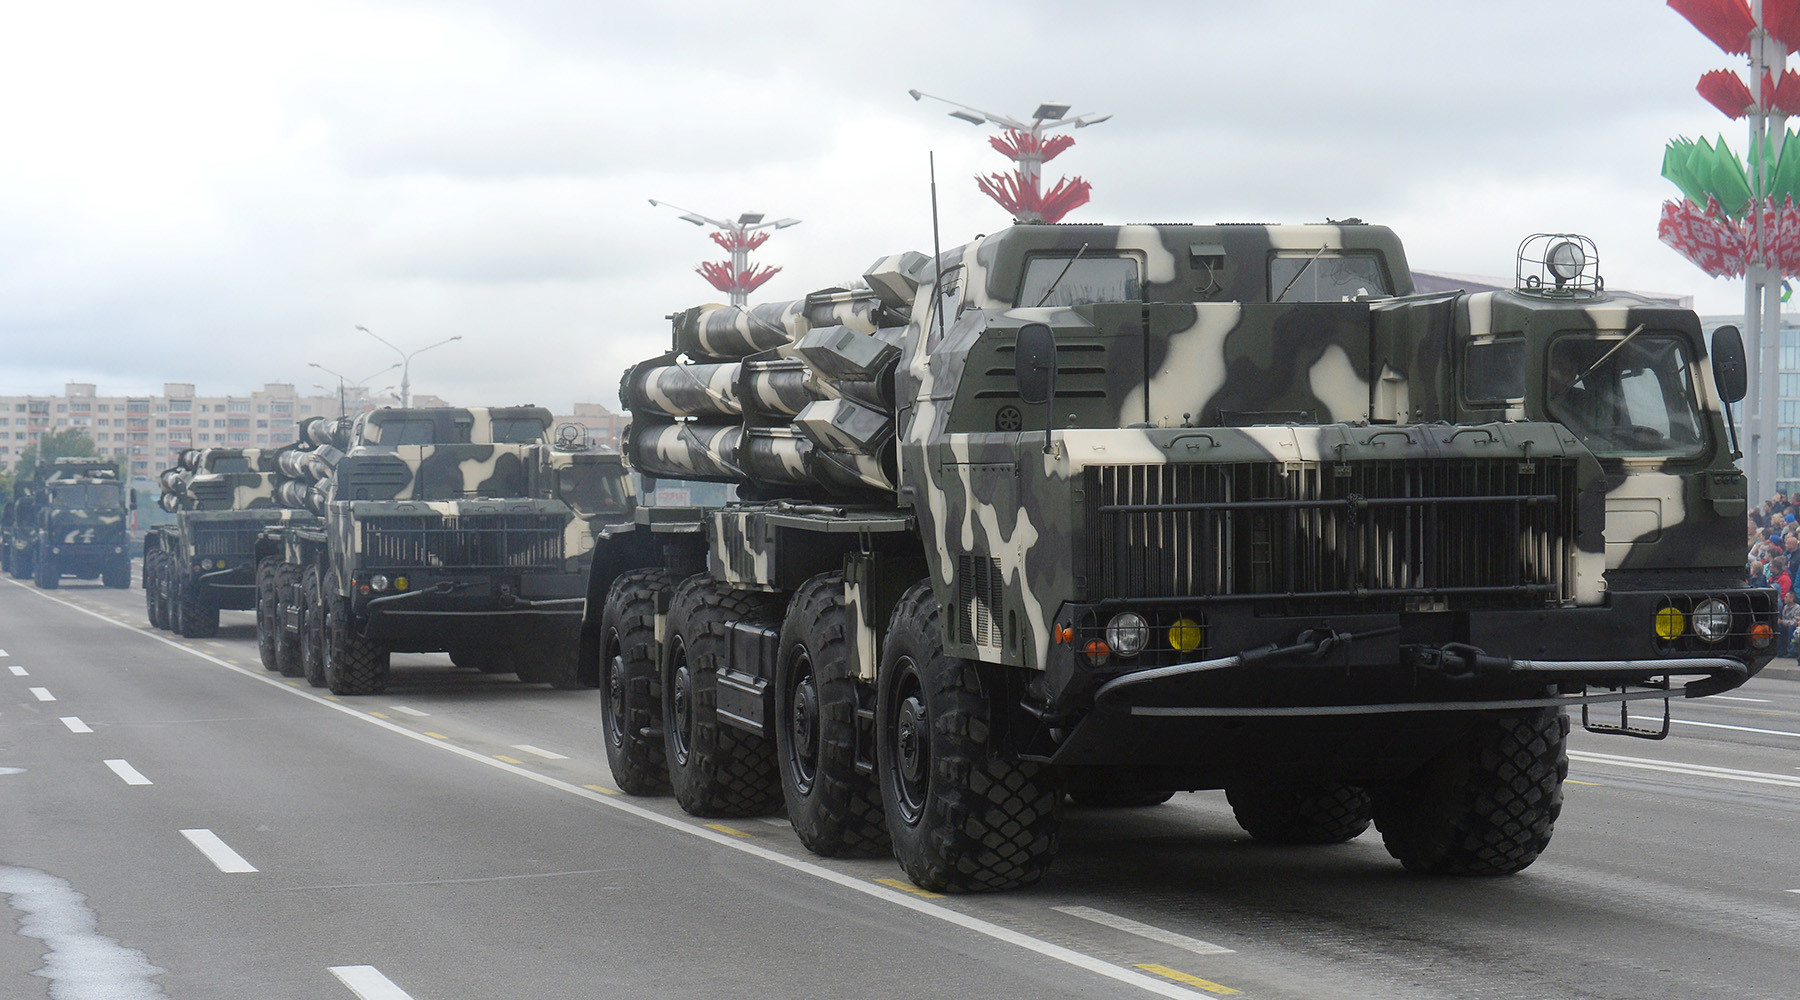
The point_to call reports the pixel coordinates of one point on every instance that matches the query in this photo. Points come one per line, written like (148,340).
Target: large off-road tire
(1301,812)
(289,658)
(353,665)
(197,615)
(1114,788)
(714,769)
(836,810)
(489,657)
(963,815)
(153,609)
(117,574)
(630,695)
(22,564)
(312,626)
(45,572)
(1485,805)
(268,612)
(549,656)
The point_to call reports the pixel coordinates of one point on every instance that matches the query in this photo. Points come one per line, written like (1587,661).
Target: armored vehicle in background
(439,529)
(70,519)
(1106,512)
(205,560)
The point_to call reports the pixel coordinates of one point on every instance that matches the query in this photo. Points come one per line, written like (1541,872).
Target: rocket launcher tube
(683,390)
(730,332)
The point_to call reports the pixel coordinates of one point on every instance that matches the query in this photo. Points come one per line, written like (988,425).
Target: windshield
(85,495)
(1088,279)
(1325,278)
(591,489)
(1625,397)
(518,430)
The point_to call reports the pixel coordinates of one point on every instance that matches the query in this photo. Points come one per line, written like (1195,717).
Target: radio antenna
(937,252)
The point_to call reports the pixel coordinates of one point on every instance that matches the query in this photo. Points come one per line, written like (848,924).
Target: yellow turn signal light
(1185,635)
(401,583)
(1670,623)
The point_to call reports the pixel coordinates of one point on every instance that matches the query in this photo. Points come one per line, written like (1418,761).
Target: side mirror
(1034,363)
(1730,371)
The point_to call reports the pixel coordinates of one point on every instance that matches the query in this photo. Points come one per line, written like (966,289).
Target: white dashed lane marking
(216,851)
(1718,725)
(408,711)
(43,694)
(18,671)
(1677,767)
(127,772)
(546,754)
(1728,697)
(1130,926)
(75,724)
(367,982)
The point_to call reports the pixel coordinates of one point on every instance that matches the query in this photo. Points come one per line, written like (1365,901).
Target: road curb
(1781,672)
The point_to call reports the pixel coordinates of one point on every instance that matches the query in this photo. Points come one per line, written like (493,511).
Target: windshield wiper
(1297,274)
(1049,291)
(1602,360)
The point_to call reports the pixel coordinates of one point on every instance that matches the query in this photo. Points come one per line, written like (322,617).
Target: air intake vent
(980,590)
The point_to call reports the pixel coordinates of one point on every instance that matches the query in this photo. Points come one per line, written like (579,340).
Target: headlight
(1712,620)
(1127,634)
(379,582)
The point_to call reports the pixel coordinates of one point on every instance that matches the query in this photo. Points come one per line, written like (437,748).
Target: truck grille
(229,539)
(1321,537)
(472,541)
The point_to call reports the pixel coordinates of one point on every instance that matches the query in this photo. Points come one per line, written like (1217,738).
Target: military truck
(439,529)
(69,519)
(1102,512)
(205,560)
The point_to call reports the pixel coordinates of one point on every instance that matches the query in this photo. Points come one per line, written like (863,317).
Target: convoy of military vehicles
(1071,513)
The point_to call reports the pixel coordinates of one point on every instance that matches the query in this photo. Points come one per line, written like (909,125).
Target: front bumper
(434,599)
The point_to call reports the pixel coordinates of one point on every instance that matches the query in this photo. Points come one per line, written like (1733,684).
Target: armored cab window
(590,489)
(229,463)
(85,495)
(1071,281)
(462,429)
(1625,396)
(1494,372)
(509,430)
(415,431)
(1331,276)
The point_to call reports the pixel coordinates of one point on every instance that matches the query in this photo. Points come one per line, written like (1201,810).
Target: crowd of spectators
(1774,540)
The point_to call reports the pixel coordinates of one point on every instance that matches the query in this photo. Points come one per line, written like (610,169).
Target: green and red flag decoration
(1720,220)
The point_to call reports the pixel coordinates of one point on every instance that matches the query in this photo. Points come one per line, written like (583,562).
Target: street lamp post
(1025,144)
(737,278)
(405,363)
(345,379)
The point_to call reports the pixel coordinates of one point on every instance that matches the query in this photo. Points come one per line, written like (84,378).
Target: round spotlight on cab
(1712,620)
(379,582)
(1670,623)
(1566,260)
(1127,633)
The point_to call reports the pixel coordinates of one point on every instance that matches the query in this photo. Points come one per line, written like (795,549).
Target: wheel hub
(803,721)
(615,699)
(684,712)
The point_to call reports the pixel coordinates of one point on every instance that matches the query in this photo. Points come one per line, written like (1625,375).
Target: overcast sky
(220,193)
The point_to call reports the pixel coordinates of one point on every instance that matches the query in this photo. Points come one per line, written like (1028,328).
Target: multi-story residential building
(146,433)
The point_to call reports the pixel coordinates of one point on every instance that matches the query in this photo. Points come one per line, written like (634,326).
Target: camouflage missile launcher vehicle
(438,529)
(1104,512)
(205,560)
(70,519)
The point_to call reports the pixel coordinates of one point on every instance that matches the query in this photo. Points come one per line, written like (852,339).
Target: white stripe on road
(547,755)
(1130,926)
(3,652)
(409,711)
(1728,697)
(216,851)
(127,772)
(75,724)
(18,671)
(1678,767)
(367,982)
(921,907)
(1716,725)
(43,694)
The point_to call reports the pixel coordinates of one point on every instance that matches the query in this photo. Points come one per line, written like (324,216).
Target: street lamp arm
(1002,120)
(427,347)
(708,220)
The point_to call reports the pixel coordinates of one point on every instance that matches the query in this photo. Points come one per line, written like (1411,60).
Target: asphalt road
(460,837)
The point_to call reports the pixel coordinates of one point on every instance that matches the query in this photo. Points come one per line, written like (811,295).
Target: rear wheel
(289,658)
(630,697)
(268,613)
(1487,804)
(835,809)
(312,626)
(353,665)
(963,815)
(1301,812)
(714,769)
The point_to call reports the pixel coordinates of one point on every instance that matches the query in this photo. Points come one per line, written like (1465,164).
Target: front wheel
(963,815)
(288,655)
(45,573)
(197,616)
(353,665)
(1300,812)
(1486,805)
(268,613)
(312,626)
(117,574)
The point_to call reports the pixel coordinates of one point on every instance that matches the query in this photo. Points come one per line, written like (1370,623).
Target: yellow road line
(378,715)
(1572,781)
(894,883)
(509,760)
(732,830)
(602,789)
(437,736)
(1187,980)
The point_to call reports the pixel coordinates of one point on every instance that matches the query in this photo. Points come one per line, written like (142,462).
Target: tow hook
(1458,660)
(1314,643)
